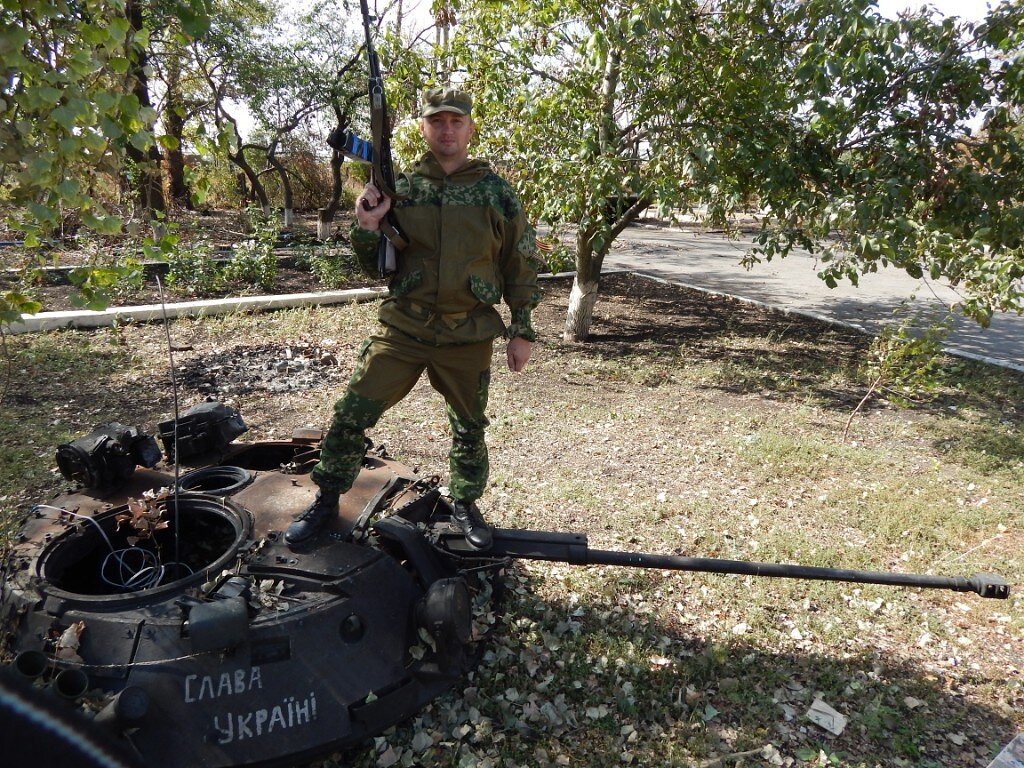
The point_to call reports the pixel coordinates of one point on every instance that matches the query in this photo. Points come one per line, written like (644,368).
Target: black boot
(467,516)
(313,518)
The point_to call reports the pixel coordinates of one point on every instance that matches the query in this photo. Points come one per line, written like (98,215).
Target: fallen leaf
(422,741)
(822,714)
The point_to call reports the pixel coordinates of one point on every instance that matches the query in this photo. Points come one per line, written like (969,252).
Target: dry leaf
(822,714)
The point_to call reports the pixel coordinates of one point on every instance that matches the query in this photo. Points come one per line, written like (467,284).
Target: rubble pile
(270,368)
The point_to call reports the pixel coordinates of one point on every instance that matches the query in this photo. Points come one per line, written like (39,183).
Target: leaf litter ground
(688,424)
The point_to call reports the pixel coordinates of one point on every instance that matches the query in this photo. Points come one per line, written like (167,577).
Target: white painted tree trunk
(580,314)
(324,225)
(289,218)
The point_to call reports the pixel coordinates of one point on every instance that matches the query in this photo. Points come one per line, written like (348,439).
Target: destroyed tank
(192,635)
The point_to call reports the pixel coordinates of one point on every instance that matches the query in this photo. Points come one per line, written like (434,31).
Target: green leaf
(44,214)
(65,116)
(118,27)
(103,224)
(93,35)
(14,304)
(195,20)
(110,129)
(69,190)
(118,64)
(141,140)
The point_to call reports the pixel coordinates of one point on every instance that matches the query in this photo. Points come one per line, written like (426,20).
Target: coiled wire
(130,568)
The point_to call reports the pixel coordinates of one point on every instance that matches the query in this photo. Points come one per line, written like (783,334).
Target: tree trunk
(286,184)
(583,296)
(326,215)
(174,124)
(578,318)
(259,194)
(324,221)
(150,190)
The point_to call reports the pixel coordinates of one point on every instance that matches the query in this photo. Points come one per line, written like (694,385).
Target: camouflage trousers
(387,368)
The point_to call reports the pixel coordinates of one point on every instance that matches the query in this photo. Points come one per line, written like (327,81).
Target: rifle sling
(393,233)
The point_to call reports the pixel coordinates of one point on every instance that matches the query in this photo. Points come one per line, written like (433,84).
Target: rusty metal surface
(90,501)
(275,498)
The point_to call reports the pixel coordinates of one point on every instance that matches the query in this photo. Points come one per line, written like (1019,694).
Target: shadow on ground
(580,692)
(745,348)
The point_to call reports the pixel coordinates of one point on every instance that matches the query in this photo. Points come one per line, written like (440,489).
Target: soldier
(469,247)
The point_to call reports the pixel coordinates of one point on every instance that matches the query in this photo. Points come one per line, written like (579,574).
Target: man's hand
(371,206)
(518,353)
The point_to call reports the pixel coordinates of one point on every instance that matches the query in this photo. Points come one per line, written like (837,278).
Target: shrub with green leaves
(904,362)
(334,267)
(192,269)
(254,262)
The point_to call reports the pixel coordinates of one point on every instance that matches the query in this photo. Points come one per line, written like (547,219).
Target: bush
(193,269)
(254,261)
(334,267)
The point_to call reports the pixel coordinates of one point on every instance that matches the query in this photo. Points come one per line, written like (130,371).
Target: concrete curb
(753,302)
(51,321)
(86,318)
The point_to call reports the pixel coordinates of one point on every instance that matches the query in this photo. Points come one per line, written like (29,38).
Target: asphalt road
(710,262)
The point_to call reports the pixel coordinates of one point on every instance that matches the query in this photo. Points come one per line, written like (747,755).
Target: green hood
(472,172)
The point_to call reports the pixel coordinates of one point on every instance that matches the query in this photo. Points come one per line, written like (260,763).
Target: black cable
(174,440)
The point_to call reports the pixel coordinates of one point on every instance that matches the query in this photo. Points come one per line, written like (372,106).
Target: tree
(69,117)
(339,69)
(66,110)
(294,79)
(184,99)
(175,118)
(283,107)
(340,73)
(309,72)
(146,163)
(832,121)
(236,41)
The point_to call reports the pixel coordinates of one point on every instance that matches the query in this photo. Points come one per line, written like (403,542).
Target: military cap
(446,100)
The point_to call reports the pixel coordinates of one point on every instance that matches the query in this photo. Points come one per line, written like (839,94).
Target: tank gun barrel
(573,548)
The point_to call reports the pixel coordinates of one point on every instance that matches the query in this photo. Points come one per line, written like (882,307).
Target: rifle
(377,153)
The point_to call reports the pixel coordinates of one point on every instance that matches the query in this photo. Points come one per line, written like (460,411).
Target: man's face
(447,134)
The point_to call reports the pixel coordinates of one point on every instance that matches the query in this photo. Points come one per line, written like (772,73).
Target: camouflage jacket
(470,246)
